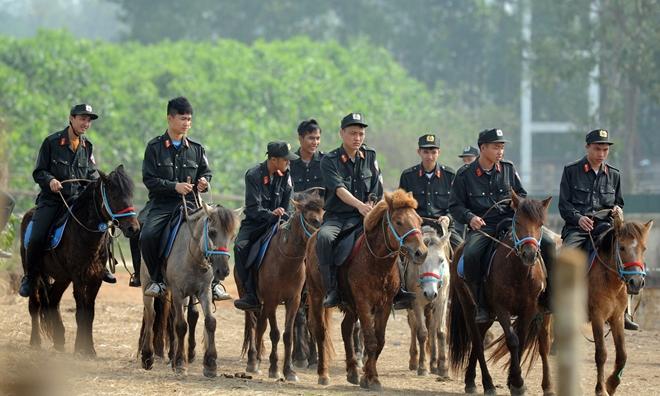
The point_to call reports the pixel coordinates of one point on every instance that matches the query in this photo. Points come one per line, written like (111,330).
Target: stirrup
(219,292)
(155,289)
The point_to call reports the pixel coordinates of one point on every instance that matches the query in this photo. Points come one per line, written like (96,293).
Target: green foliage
(243,96)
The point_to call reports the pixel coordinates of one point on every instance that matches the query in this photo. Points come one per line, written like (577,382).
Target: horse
(199,253)
(80,259)
(427,317)
(280,279)
(514,282)
(368,282)
(618,270)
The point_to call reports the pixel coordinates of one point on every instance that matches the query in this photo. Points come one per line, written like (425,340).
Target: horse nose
(430,295)
(635,285)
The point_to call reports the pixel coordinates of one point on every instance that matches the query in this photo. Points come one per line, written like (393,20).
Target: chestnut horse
(281,279)
(513,285)
(618,269)
(368,281)
(80,259)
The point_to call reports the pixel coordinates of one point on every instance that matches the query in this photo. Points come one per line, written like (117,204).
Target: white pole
(526,96)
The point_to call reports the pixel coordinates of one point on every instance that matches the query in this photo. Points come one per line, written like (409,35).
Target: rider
(480,198)
(430,184)
(469,155)
(267,193)
(352,179)
(63,155)
(589,185)
(306,170)
(173,166)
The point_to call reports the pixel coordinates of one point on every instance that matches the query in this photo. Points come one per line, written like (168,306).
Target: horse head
(116,189)
(526,228)
(628,249)
(403,225)
(308,212)
(218,229)
(434,271)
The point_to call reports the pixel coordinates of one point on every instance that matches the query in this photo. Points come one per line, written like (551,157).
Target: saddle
(54,234)
(172,229)
(502,229)
(260,247)
(347,244)
(598,233)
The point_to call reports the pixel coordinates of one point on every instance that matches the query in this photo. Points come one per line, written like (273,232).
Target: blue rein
(220,251)
(403,237)
(517,243)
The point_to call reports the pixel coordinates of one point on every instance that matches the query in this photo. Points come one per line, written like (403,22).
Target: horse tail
(44,308)
(459,341)
(250,325)
(529,350)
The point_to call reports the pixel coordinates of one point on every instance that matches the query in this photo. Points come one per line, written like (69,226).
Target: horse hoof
(292,377)
(353,378)
(148,363)
(191,358)
(435,370)
(210,372)
(180,370)
(375,386)
(364,383)
(324,381)
(517,391)
(549,393)
(273,374)
(444,374)
(490,392)
(422,372)
(300,363)
(252,368)
(470,389)
(312,366)
(412,366)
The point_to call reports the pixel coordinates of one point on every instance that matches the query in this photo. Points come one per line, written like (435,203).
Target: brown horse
(618,270)
(513,285)
(280,280)
(368,282)
(80,258)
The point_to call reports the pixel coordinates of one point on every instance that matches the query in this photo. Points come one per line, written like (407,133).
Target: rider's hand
(364,209)
(617,211)
(202,184)
(586,223)
(279,212)
(477,222)
(55,185)
(443,219)
(183,188)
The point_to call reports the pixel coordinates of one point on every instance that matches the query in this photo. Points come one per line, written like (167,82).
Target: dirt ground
(116,369)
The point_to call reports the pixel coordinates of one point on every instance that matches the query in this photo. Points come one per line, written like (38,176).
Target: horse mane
(122,180)
(632,230)
(532,209)
(310,201)
(228,221)
(399,199)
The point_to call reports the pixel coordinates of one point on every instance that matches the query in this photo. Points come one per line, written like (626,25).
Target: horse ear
(546,202)
(444,224)
(103,176)
(120,167)
(296,204)
(515,199)
(647,228)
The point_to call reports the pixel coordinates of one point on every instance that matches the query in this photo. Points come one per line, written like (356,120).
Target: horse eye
(212,233)
(399,223)
(622,249)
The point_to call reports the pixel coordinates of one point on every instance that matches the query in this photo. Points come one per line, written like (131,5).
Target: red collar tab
(344,158)
(421,172)
(185,142)
(266,180)
(479,171)
(604,166)
(438,173)
(63,141)
(167,143)
(361,154)
(498,167)
(586,167)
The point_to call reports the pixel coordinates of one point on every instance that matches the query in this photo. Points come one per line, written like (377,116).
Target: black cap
(599,136)
(353,119)
(281,150)
(491,136)
(83,109)
(427,141)
(469,151)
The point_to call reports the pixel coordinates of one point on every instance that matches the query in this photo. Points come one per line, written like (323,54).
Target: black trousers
(44,216)
(247,236)
(150,239)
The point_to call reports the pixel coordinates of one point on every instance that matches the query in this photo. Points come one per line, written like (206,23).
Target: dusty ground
(116,369)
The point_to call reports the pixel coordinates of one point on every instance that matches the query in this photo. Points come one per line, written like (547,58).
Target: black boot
(25,289)
(135,280)
(108,277)
(545,301)
(628,323)
(481,314)
(403,299)
(332,298)
(249,302)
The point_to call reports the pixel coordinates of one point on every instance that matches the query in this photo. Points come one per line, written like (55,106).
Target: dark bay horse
(199,253)
(80,259)
(513,285)
(280,280)
(368,282)
(618,269)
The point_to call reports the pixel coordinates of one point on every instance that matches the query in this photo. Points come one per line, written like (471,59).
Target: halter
(622,268)
(402,238)
(218,251)
(518,243)
(430,277)
(126,212)
(304,227)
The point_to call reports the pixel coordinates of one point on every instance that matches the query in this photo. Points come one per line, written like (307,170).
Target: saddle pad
(260,247)
(345,244)
(461,265)
(54,235)
(172,228)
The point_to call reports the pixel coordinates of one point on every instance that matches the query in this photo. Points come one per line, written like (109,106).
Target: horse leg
(291,310)
(515,341)
(422,336)
(412,351)
(317,321)
(54,316)
(477,341)
(180,328)
(273,370)
(358,345)
(85,296)
(597,325)
(441,323)
(313,358)
(210,353)
(193,317)
(378,342)
(613,381)
(347,336)
(34,305)
(147,337)
(432,326)
(254,357)
(301,339)
(544,350)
